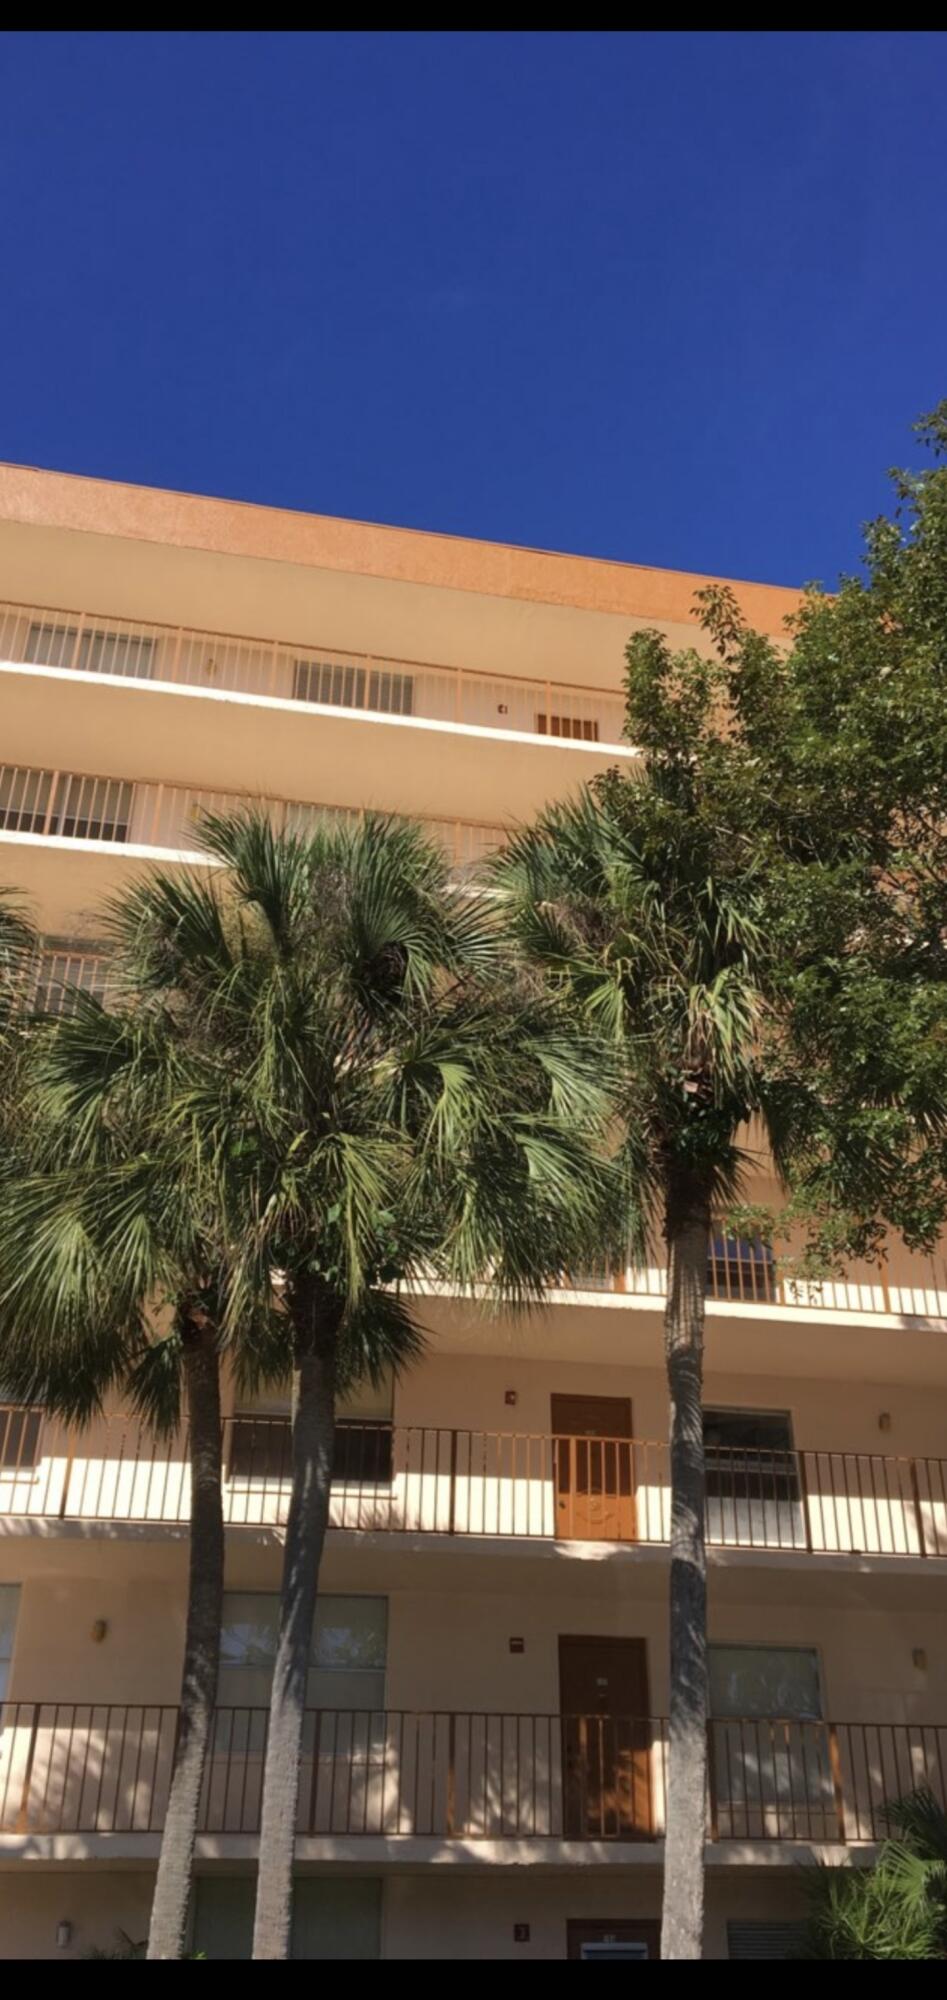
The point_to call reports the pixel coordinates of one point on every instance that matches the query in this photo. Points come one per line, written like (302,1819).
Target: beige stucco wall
(449,1643)
(474,1918)
(97,1903)
(470,1391)
(424,1916)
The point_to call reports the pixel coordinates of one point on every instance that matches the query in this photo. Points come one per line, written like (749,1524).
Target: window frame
(8,1661)
(568,728)
(764,1482)
(772,1646)
(751,1258)
(313,1666)
(25,1469)
(366,680)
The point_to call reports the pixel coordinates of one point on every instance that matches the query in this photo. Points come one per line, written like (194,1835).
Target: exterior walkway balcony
(399,1777)
(78,685)
(409,1481)
(103,829)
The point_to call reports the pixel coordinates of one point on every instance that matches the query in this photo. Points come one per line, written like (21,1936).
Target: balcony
(499,1487)
(902,1284)
(70,806)
(99,1768)
(100,826)
(327,712)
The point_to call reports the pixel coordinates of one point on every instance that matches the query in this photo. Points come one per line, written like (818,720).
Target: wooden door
(606,1739)
(595,1495)
(614,1937)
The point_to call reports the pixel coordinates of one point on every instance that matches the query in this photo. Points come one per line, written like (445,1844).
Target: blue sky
(673,299)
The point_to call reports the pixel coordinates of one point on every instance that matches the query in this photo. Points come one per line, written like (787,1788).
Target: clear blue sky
(674,299)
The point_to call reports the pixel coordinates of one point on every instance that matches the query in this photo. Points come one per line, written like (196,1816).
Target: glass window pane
(748,1430)
(765,1681)
(19,1438)
(92,808)
(749,1455)
(24,799)
(51,645)
(223,1916)
(340,686)
(128,653)
(336,1919)
(348,1651)
(247,1648)
(350,1632)
(346,1690)
(9,1605)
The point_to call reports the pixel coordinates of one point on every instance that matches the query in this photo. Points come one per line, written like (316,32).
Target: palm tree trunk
(167,1934)
(688,1237)
(317,1320)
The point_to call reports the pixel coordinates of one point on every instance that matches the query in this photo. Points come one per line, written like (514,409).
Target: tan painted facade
(161,650)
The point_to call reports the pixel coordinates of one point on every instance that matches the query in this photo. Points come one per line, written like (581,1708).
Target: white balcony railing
(74,805)
(278,669)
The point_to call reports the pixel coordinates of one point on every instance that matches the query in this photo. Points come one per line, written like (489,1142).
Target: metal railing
(906,1285)
(279,669)
(426,1480)
(104,1768)
(74,805)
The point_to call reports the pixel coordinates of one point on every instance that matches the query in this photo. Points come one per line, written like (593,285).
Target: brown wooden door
(595,1497)
(606,1739)
(614,1937)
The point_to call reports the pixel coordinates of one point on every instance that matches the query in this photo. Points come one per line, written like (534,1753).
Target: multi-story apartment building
(485,1759)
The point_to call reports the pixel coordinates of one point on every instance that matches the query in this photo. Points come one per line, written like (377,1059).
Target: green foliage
(756,917)
(371,1095)
(894,1910)
(318,1066)
(124,1947)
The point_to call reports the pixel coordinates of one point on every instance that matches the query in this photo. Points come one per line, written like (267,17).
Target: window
(762,1940)
(19,1438)
(581,729)
(92,809)
(130,654)
(261,1448)
(740,1268)
(260,1439)
(341,686)
(77,807)
(24,799)
(63,973)
(349,1648)
(764,1681)
(749,1455)
(9,1605)
(340,1918)
(771,1774)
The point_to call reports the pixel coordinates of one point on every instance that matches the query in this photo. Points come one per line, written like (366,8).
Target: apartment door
(614,1937)
(595,1498)
(606,1739)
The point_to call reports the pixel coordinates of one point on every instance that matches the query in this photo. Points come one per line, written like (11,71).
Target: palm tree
(381,1102)
(18,952)
(646,911)
(109,1281)
(895,1910)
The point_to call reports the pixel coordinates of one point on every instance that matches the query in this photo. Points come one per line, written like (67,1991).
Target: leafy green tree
(755,921)
(378,1101)
(897,1909)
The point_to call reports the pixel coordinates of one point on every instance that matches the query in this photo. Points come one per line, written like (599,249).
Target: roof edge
(76,502)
